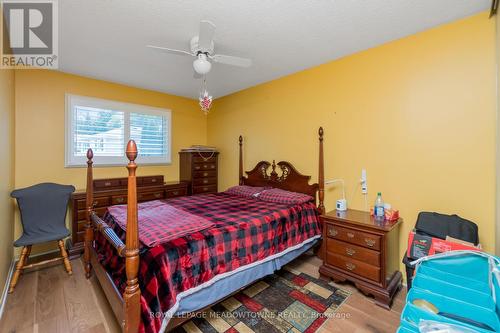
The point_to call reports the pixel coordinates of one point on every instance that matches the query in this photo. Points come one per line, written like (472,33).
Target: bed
(154,286)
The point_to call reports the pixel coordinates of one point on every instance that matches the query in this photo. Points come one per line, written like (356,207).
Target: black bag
(441,225)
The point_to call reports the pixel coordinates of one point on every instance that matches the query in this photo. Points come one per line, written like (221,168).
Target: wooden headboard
(286,177)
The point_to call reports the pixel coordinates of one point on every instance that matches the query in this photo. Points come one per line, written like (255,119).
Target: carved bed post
(89,231)
(321,174)
(241,161)
(132,294)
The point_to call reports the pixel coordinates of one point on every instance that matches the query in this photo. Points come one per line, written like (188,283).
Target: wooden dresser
(199,169)
(363,251)
(113,191)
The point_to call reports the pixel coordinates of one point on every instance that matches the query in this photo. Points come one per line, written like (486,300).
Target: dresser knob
(175,193)
(350,252)
(107,184)
(157,195)
(350,266)
(205,189)
(332,232)
(350,235)
(197,167)
(370,242)
(120,200)
(205,181)
(205,174)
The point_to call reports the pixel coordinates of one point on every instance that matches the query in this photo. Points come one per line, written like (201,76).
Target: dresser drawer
(152,180)
(119,199)
(204,189)
(177,192)
(352,236)
(103,184)
(204,181)
(99,202)
(205,158)
(204,174)
(150,196)
(353,266)
(204,166)
(353,251)
(82,214)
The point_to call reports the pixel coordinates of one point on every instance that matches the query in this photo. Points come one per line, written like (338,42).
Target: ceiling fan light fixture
(201,65)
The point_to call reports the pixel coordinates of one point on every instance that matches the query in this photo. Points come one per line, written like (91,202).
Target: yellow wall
(498,137)
(417,113)
(6,170)
(40,122)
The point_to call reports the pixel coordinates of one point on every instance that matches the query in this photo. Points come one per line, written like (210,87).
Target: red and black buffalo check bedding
(245,230)
(160,222)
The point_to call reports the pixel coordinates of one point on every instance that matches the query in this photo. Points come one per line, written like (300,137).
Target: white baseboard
(5,292)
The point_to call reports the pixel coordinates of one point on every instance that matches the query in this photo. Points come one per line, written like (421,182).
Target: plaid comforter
(245,230)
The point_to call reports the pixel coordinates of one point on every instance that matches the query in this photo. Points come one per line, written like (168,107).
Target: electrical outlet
(364,182)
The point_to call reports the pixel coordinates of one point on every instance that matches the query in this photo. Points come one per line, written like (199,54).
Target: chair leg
(27,255)
(19,268)
(64,254)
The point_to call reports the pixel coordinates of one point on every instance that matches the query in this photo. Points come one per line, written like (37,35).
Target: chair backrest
(43,206)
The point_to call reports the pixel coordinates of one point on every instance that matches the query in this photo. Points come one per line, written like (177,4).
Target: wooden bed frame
(126,307)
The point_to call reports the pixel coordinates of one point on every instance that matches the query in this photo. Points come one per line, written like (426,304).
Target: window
(106,126)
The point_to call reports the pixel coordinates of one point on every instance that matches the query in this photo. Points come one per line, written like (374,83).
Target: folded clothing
(160,222)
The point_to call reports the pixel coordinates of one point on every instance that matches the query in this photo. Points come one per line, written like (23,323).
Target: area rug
(288,301)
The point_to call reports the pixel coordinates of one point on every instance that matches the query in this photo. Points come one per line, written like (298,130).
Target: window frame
(72,161)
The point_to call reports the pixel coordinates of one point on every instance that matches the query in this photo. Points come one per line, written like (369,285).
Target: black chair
(43,216)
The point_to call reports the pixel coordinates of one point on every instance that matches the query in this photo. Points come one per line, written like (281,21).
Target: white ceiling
(106,39)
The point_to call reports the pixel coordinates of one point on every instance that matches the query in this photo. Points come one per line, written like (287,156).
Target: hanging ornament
(205,98)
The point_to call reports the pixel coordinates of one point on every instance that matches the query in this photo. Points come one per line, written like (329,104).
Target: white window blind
(106,126)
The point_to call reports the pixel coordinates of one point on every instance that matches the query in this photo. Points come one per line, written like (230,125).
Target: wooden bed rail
(130,250)
(108,233)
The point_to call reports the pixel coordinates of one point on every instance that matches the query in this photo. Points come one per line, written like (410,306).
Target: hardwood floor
(50,301)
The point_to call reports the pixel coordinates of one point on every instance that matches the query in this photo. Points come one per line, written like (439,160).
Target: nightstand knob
(175,193)
(350,235)
(350,252)
(332,232)
(120,200)
(370,242)
(350,266)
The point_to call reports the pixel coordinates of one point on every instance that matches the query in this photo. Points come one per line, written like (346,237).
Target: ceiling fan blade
(206,36)
(231,60)
(168,50)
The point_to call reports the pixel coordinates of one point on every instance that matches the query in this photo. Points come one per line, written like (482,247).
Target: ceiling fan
(203,49)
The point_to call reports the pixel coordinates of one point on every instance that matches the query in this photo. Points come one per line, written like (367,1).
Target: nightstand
(363,251)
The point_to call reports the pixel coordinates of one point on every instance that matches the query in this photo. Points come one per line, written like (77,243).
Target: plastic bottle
(378,209)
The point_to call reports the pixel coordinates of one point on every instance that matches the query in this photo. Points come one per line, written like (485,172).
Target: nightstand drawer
(352,236)
(353,266)
(353,251)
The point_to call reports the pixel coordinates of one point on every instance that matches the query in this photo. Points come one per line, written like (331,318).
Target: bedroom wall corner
(418,113)
(7,79)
